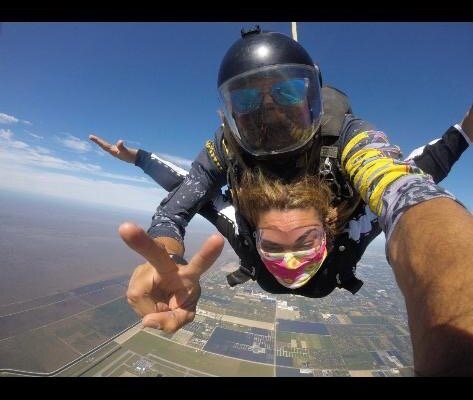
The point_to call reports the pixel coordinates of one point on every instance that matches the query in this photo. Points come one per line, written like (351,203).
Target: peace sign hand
(166,293)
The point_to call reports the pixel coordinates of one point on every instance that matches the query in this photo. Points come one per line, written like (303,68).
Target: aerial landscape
(90,330)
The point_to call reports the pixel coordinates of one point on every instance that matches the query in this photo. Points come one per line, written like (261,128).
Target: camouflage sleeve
(386,183)
(200,185)
(163,172)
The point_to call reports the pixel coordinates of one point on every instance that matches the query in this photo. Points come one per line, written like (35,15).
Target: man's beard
(271,132)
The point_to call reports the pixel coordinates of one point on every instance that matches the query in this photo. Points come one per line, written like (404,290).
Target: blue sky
(154,85)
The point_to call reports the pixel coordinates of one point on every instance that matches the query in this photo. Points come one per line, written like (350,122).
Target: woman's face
(292,245)
(283,227)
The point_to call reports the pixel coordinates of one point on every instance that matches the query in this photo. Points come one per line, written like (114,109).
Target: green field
(370,319)
(214,364)
(358,360)
(80,336)
(313,341)
(109,318)
(87,363)
(106,363)
(35,351)
(241,308)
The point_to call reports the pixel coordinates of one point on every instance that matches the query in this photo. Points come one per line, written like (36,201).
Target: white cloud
(16,144)
(6,138)
(20,153)
(42,150)
(17,152)
(34,135)
(6,134)
(25,168)
(141,179)
(8,119)
(97,191)
(74,143)
(93,191)
(180,162)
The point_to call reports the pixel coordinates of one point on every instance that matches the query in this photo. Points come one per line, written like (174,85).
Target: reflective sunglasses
(309,240)
(286,93)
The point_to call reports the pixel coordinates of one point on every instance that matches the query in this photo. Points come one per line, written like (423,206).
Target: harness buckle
(326,173)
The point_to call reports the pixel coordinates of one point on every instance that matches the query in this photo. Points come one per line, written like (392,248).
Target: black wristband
(178,259)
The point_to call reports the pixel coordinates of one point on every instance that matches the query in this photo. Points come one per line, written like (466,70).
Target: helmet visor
(273,110)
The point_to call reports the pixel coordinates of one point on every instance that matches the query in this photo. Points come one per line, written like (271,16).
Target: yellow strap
(209,145)
(356,169)
(353,142)
(373,169)
(375,200)
(368,164)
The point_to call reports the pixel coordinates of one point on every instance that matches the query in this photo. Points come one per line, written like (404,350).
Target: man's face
(272,113)
(274,109)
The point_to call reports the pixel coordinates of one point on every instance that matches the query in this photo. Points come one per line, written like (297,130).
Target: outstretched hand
(117,150)
(166,293)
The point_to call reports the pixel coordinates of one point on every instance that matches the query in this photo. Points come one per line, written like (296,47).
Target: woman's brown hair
(259,192)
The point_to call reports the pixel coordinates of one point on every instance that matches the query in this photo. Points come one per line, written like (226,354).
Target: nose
(267,98)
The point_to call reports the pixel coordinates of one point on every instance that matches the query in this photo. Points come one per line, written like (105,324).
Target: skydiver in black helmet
(277,117)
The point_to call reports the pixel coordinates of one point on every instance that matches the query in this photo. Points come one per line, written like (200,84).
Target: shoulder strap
(336,105)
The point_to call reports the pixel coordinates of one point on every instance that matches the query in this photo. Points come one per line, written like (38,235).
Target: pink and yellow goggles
(301,242)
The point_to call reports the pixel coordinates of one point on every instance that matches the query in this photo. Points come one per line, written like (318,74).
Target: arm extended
(431,253)
(428,246)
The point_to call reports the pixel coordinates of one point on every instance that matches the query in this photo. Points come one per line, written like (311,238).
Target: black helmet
(264,66)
